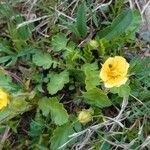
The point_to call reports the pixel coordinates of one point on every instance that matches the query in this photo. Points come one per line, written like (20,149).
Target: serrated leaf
(118,26)
(42,60)
(5,81)
(60,136)
(145,94)
(88,54)
(44,105)
(123,90)
(73,28)
(81,20)
(95,19)
(20,35)
(57,82)
(97,98)
(71,53)
(92,76)
(140,66)
(58,113)
(59,42)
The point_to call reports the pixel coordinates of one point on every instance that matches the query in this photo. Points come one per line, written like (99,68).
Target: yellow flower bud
(85,116)
(94,44)
(3,99)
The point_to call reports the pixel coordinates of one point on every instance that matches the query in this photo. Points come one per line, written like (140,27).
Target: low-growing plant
(78,87)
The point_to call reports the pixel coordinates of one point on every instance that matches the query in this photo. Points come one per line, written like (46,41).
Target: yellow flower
(114,71)
(3,99)
(85,116)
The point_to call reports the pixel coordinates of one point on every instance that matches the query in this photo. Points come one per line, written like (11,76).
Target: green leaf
(58,113)
(60,136)
(71,53)
(17,105)
(78,74)
(144,94)
(87,54)
(118,26)
(20,35)
(57,82)
(92,76)
(135,24)
(35,128)
(81,20)
(5,49)
(123,90)
(28,51)
(42,60)
(97,98)
(5,81)
(73,28)
(106,146)
(6,12)
(95,19)
(5,59)
(12,61)
(45,105)
(140,67)
(37,125)
(59,42)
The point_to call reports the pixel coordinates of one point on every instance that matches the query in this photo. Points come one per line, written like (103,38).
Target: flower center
(110,65)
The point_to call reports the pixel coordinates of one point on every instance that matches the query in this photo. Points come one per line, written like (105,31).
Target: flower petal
(114,71)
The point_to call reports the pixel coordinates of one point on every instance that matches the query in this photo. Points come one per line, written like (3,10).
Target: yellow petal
(114,71)
(123,81)
(3,99)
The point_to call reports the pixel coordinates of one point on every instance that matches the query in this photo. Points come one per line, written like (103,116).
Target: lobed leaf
(59,42)
(42,60)
(91,76)
(57,82)
(97,98)
(60,136)
(58,113)
(123,90)
(5,81)
(44,105)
